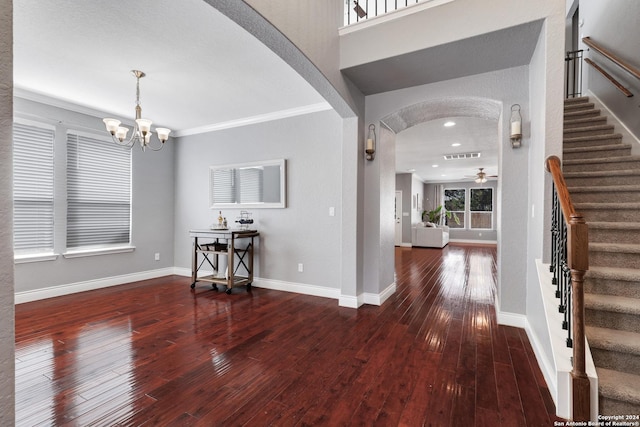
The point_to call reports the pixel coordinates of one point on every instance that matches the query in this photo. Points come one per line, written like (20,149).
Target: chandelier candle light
(142,128)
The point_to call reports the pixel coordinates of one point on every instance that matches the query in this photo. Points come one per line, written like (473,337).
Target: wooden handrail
(609,77)
(612,57)
(578,263)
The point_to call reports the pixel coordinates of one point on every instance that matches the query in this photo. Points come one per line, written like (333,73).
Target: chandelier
(141,130)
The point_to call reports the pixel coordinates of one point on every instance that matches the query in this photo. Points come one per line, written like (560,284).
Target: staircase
(604,182)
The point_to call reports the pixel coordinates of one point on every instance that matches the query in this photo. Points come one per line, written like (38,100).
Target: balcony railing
(361,10)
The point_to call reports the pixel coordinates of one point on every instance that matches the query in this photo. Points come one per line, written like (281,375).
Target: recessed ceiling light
(411,170)
(449,124)
(443,175)
(434,166)
(456,144)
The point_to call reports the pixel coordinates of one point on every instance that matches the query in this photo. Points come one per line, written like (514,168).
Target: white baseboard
(379,299)
(350,301)
(483,242)
(405,245)
(88,285)
(258,282)
(298,288)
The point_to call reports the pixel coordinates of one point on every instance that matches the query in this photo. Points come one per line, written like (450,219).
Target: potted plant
(435,216)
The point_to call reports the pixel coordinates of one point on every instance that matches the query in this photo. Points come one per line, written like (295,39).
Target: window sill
(97,251)
(27,258)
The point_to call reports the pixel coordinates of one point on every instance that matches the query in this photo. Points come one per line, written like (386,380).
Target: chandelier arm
(127,143)
(157,148)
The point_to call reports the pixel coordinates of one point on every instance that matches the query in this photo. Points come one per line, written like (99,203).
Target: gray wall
(459,234)
(305,35)
(303,232)
(616,26)
(152,211)
(507,87)
(7,335)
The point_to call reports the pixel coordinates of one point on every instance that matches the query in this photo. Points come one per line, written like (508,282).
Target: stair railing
(573,74)
(569,264)
(624,65)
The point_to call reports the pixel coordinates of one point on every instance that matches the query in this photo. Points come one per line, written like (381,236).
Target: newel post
(578,260)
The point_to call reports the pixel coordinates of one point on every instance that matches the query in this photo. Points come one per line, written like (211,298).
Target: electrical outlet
(157,256)
(300,268)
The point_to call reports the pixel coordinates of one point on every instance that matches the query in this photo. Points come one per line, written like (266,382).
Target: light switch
(332,211)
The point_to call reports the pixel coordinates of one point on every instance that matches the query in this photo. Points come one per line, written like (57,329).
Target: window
(454,202)
(224,188)
(250,185)
(98,193)
(32,189)
(481,208)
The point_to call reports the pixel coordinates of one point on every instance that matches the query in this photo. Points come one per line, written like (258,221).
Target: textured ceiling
(202,69)
(205,71)
(498,50)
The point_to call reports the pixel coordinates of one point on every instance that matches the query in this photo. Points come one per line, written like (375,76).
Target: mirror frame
(271,205)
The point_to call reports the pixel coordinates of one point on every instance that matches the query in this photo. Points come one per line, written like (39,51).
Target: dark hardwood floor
(156,353)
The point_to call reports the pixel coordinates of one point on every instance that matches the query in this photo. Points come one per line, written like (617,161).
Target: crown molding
(276,115)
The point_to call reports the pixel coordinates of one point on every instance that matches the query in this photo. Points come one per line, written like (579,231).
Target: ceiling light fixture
(449,124)
(456,144)
(481,177)
(142,128)
(434,166)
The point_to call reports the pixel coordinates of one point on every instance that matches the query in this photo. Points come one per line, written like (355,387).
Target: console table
(236,245)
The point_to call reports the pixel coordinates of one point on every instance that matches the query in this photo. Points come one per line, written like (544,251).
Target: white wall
(7,336)
(303,232)
(614,25)
(152,212)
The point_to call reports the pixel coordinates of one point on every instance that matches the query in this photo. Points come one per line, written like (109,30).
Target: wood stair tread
(569,114)
(614,273)
(612,303)
(619,172)
(610,206)
(576,100)
(597,148)
(578,105)
(602,188)
(593,137)
(630,248)
(619,385)
(590,128)
(617,159)
(613,340)
(585,120)
(614,225)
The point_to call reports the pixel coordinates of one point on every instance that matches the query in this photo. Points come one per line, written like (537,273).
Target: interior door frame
(398,218)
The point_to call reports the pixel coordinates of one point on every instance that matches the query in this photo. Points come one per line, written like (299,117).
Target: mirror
(248,185)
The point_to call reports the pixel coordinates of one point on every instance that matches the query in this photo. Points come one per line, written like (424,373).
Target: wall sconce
(515,133)
(370,149)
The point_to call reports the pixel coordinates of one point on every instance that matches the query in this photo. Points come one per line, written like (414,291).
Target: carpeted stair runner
(604,182)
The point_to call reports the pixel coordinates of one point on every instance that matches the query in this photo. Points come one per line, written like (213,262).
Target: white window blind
(251,185)
(32,189)
(98,193)
(223,189)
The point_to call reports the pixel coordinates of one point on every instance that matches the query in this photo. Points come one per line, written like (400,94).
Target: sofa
(429,236)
